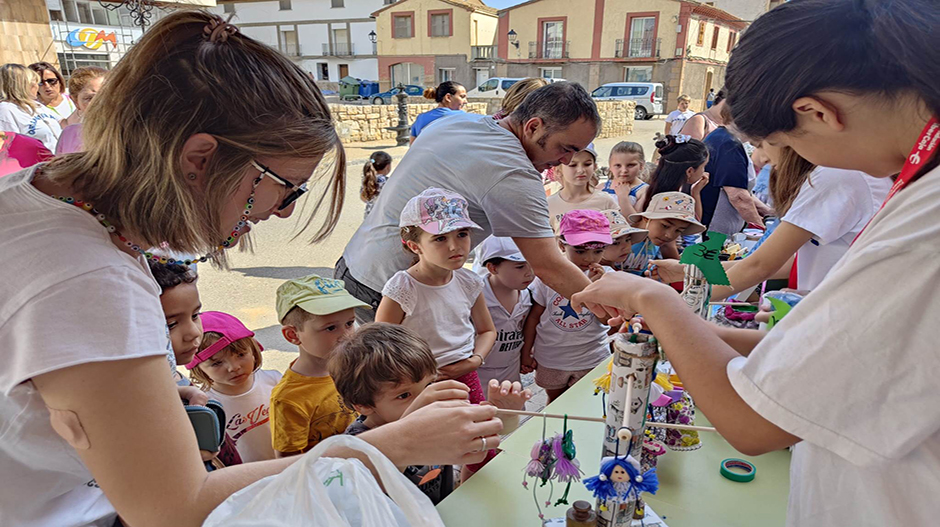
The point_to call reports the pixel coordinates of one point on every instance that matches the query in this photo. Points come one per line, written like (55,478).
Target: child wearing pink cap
(563,344)
(436,297)
(228,367)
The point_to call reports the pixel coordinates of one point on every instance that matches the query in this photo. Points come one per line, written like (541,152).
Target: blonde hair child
(627,163)
(578,191)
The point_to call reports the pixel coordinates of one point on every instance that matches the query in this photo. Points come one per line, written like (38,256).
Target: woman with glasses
(52,90)
(19,110)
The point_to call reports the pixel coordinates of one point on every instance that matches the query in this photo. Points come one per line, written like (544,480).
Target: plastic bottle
(581,515)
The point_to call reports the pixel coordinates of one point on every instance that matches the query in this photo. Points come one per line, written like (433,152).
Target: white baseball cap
(499,247)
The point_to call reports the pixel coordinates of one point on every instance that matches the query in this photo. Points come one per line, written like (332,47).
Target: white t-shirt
(471,155)
(566,339)
(439,314)
(852,370)
(678,120)
(68,296)
(42,124)
(504,359)
(64,109)
(247,416)
(834,205)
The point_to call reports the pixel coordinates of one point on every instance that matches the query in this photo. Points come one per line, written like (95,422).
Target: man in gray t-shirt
(496,166)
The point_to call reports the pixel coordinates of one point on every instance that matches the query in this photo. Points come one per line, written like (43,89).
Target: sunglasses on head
(295,191)
(51,82)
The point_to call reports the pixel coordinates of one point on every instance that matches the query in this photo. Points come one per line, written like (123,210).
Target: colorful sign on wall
(90,38)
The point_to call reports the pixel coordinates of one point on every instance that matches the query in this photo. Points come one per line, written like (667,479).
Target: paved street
(248,289)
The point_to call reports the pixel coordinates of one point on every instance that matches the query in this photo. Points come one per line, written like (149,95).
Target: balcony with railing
(482,52)
(291,49)
(552,49)
(638,48)
(339,49)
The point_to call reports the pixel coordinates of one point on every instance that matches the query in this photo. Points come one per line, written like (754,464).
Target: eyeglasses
(51,82)
(295,191)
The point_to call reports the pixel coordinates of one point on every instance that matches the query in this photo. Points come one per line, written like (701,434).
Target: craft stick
(625,434)
(600,420)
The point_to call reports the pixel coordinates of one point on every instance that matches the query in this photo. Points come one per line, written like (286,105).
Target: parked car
(388,96)
(493,88)
(647,95)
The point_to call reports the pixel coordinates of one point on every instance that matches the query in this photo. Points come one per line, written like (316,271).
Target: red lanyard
(921,153)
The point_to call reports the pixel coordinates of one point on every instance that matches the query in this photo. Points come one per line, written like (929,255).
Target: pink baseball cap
(578,227)
(228,326)
(437,211)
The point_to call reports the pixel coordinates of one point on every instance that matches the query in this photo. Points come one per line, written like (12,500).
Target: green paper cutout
(781,309)
(705,256)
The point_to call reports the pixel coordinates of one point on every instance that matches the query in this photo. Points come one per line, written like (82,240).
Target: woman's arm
(694,127)
(486,330)
(528,336)
(389,311)
(130,430)
(773,254)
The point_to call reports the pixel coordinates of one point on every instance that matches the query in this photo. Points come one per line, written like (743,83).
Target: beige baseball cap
(672,205)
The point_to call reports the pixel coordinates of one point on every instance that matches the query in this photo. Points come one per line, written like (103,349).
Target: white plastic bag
(329,492)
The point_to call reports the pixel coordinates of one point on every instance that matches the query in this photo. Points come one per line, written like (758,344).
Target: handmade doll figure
(618,486)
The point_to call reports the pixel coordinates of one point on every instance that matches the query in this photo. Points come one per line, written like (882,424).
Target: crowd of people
(178,151)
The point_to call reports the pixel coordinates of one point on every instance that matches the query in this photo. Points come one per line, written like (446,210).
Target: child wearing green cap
(315,314)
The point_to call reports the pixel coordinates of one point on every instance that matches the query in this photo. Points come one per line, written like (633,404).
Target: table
(691,491)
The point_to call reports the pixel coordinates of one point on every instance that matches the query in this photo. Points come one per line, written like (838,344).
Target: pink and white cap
(578,227)
(437,211)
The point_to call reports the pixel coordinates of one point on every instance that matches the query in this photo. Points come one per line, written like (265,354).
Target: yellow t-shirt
(306,410)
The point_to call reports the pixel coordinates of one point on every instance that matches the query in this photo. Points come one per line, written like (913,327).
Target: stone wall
(26,36)
(617,117)
(360,123)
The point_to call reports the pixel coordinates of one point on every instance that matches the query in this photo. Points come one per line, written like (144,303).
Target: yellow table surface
(691,492)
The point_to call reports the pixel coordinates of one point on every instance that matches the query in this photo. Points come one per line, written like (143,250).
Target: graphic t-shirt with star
(567,339)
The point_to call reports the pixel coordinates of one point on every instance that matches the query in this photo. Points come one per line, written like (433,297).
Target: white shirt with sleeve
(41,124)
(852,370)
(504,360)
(439,314)
(247,416)
(834,205)
(678,120)
(473,156)
(68,296)
(566,339)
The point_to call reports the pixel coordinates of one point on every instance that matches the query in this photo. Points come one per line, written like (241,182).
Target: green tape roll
(749,470)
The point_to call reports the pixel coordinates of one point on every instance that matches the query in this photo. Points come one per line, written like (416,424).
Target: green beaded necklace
(151,256)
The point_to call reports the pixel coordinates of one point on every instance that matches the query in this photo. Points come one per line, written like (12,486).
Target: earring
(191,176)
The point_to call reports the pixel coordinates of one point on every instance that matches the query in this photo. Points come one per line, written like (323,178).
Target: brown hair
(192,73)
(297,317)
(82,76)
(14,86)
(443,90)
(40,67)
(518,92)
(787,177)
(245,345)
(377,162)
(377,356)
(628,147)
(411,234)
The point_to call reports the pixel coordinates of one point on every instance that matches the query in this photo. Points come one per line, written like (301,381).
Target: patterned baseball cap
(672,205)
(437,211)
(578,227)
(315,295)
(620,227)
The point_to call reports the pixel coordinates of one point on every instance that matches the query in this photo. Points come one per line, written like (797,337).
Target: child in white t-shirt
(436,297)
(228,367)
(509,299)
(563,344)
(677,118)
(578,190)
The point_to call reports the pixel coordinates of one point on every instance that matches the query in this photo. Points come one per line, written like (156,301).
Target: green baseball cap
(315,295)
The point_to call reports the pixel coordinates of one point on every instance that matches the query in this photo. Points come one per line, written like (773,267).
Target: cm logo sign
(90,38)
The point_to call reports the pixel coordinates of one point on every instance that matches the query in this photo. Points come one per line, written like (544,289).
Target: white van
(493,88)
(647,95)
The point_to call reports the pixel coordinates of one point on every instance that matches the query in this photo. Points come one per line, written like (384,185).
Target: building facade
(685,45)
(331,39)
(747,10)
(426,42)
(25,38)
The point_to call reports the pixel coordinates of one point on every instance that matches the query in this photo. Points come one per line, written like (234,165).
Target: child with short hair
(509,299)
(386,371)
(670,215)
(578,189)
(374,175)
(315,314)
(677,118)
(437,297)
(228,368)
(627,161)
(624,236)
(562,344)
